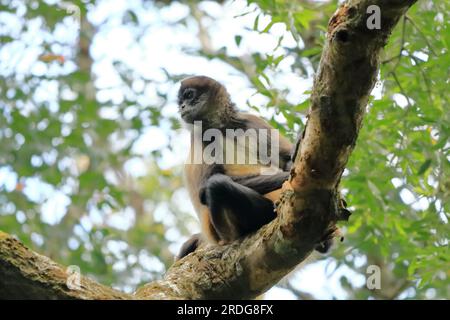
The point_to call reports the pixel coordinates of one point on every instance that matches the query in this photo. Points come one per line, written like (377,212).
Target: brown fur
(221,114)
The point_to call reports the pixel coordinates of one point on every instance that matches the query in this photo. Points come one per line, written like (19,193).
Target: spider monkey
(231,199)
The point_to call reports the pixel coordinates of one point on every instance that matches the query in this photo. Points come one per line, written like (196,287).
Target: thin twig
(406,17)
(402,47)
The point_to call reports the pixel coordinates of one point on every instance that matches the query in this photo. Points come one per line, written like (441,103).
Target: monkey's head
(204,99)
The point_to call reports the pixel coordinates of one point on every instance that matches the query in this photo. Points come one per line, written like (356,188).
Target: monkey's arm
(262,183)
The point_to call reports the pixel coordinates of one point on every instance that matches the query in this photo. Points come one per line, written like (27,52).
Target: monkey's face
(192,103)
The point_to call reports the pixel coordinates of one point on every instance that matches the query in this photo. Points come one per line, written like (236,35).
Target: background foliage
(90,160)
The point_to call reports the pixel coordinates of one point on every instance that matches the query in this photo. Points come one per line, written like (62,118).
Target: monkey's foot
(190,246)
(328,239)
(343,213)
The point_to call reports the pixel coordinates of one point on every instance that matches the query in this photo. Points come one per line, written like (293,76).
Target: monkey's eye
(188,94)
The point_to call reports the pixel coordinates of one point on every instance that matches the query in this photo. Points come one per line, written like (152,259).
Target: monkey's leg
(190,245)
(262,183)
(235,210)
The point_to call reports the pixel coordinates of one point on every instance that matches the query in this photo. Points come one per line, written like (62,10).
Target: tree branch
(308,207)
(25,274)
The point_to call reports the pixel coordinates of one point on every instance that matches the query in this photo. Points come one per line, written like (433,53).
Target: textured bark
(25,274)
(308,207)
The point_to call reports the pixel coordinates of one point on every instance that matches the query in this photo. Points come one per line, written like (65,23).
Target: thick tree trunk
(308,207)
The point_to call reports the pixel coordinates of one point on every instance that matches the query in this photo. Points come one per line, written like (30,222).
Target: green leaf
(237,40)
(424,167)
